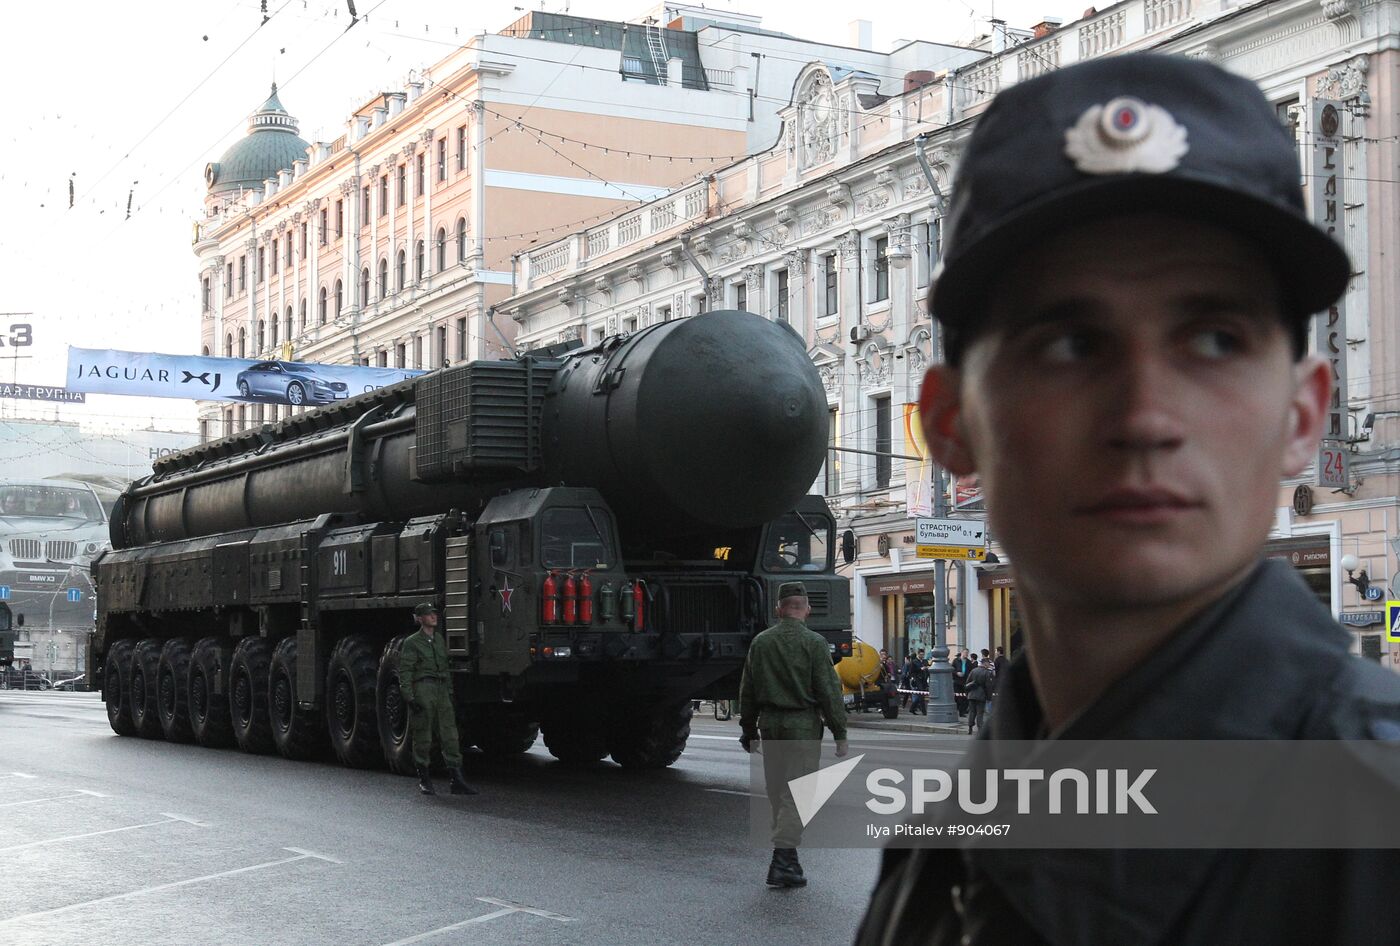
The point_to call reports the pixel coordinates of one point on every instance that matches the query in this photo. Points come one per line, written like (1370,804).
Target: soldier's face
(1130,411)
(429,621)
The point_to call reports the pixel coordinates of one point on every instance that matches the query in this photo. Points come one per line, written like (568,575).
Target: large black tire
(116,687)
(500,735)
(247,695)
(296,732)
(350,693)
(145,703)
(173,690)
(575,736)
(650,737)
(208,689)
(392,712)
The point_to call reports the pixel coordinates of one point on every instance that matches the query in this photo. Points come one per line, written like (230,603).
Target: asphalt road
(122,841)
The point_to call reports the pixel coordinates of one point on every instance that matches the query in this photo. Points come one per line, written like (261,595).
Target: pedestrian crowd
(974,682)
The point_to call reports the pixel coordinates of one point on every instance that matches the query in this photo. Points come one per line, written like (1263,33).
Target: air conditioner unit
(859,333)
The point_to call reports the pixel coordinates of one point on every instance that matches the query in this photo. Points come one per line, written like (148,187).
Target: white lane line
(733,739)
(732,791)
(77,793)
(299,856)
(168,819)
(17,775)
(507,908)
(485,917)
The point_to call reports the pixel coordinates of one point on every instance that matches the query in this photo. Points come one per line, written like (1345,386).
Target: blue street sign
(1392,621)
(4,592)
(75,594)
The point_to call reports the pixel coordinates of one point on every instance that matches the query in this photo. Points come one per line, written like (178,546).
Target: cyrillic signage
(204,378)
(1330,327)
(38,392)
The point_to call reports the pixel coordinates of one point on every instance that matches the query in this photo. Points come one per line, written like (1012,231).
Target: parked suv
(50,530)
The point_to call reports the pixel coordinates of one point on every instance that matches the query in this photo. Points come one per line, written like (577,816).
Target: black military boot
(425,781)
(459,783)
(784,871)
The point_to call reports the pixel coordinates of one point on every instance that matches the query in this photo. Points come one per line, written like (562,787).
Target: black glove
(749,737)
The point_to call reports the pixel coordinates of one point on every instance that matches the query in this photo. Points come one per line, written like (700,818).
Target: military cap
(1127,134)
(792,589)
(426,608)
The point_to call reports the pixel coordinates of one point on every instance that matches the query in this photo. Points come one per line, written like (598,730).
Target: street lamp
(1362,582)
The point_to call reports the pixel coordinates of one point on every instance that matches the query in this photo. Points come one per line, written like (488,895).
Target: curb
(889,725)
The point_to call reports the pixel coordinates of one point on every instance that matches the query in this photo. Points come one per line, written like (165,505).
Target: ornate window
(817,120)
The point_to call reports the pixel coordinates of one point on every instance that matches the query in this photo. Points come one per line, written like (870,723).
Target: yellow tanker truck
(864,682)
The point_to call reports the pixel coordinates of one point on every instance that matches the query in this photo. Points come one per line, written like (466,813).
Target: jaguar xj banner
(202,378)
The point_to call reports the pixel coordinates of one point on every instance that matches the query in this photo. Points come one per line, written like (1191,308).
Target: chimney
(917,78)
(1046,26)
(860,36)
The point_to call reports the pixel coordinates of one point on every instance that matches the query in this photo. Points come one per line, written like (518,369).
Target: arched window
(462,239)
(383,278)
(206,351)
(321,307)
(441,249)
(272,329)
(289,323)
(262,334)
(400,271)
(303,316)
(364,286)
(228,345)
(339,297)
(418,261)
(242,343)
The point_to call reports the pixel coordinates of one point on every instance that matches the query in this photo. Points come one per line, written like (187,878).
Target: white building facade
(836,231)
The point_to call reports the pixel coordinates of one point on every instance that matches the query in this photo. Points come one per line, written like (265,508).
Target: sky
(130,101)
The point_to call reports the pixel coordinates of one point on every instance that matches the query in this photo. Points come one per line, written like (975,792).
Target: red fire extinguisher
(570,599)
(585,599)
(549,595)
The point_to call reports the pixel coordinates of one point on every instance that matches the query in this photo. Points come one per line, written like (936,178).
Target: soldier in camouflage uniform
(425,682)
(789,690)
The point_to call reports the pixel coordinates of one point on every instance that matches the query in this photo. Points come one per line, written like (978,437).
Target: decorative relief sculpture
(1345,81)
(817,111)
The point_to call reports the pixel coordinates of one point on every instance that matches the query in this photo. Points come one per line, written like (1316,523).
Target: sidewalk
(905,723)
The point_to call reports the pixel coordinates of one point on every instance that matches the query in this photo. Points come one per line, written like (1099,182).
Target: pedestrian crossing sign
(1392,622)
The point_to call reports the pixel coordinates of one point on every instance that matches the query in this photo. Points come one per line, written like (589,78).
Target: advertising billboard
(205,378)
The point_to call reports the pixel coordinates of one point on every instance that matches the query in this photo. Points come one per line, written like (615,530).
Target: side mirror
(498,547)
(848,546)
(19,620)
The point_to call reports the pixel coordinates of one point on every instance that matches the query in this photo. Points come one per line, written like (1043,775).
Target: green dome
(272,144)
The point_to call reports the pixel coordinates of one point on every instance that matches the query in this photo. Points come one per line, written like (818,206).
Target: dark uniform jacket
(1265,662)
(423,660)
(789,671)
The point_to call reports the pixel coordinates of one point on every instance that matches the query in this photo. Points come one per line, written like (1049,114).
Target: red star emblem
(505,591)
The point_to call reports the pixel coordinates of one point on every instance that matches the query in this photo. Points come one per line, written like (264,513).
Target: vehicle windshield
(798,543)
(300,369)
(576,538)
(49,502)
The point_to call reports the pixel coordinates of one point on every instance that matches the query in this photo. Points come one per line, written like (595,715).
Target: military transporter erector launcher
(604,529)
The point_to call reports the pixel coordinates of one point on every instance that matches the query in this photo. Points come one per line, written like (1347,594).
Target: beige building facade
(836,230)
(391,245)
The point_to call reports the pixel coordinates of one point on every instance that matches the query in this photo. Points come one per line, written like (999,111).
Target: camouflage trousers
(434,717)
(792,746)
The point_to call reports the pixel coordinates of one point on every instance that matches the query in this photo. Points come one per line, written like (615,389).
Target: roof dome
(272,144)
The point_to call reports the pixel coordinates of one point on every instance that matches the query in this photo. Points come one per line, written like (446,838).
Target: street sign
(966,533)
(1333,465)
(4,592)
(75,594)
(1392,622)
(959,552)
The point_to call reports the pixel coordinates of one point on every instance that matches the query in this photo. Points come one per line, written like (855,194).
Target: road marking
(17,775)
(168,819)
(77,793)
(300,855)
(731,791)
(507,908)
(733,739)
